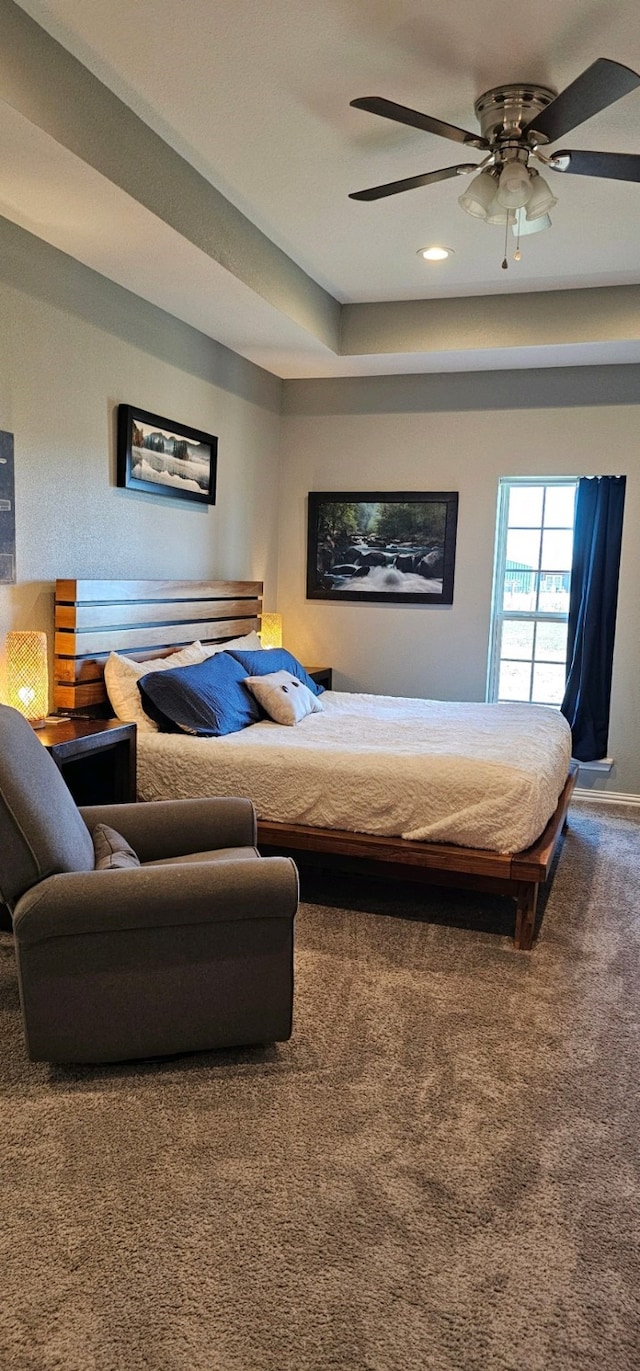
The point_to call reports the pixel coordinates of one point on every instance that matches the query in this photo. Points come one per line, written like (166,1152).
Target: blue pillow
(207,699)
(270,659)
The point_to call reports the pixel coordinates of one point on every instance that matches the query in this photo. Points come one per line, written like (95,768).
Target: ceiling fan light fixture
(541,199)
(524,225)
(497,214)
(478,196)
(514,186)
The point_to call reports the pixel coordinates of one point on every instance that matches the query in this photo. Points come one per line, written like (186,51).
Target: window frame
(498,613)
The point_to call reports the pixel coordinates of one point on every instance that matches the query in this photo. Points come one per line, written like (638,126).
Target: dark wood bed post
(526,904)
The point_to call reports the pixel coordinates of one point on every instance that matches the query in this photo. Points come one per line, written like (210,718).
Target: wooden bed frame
(143,619)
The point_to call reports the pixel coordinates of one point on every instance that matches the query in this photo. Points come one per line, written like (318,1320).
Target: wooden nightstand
(96,757)
(322,675)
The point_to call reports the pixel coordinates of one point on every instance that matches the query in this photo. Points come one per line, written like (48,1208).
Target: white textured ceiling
(255,95)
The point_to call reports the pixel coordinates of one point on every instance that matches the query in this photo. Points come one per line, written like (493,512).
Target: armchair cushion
(112,850)
(218,854)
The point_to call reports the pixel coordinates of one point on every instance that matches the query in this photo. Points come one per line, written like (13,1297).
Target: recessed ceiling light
(435,254)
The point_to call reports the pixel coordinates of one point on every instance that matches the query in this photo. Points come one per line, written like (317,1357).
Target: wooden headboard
(141,619)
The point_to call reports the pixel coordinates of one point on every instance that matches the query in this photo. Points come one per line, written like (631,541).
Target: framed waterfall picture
(397,547)
(162,457)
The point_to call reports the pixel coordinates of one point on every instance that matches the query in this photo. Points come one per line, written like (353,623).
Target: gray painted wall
(455,433)
(72,346)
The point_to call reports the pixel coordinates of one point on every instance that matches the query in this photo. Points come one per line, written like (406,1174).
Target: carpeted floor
(440,1172)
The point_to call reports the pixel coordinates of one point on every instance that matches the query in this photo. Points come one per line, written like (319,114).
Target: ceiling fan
(516,122)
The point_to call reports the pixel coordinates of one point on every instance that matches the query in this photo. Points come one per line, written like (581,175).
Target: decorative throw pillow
(285,699)
(112,850)
(121,676)
(272,659)
(250,643)
(208,700)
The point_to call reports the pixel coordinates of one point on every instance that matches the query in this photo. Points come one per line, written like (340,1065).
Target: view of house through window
(534,548)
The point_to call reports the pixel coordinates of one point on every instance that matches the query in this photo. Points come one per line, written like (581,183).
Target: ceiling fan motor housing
(503,112)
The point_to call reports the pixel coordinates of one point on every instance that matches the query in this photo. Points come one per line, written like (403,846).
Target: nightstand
(96,757)
(322,675)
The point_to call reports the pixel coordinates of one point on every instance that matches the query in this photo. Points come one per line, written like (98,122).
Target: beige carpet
(440,1170)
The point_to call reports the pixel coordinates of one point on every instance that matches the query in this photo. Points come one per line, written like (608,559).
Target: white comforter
(479,775)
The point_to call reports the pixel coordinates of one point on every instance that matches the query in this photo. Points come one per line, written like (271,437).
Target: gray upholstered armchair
(191,949)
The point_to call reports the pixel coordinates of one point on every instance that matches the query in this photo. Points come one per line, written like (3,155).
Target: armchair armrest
(82,903)
(174,828)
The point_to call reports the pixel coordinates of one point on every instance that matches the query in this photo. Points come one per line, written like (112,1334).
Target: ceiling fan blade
(411,182)
(595,89)
(375,104)
(618,166)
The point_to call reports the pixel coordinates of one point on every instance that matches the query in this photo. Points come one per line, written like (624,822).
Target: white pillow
(285,699)
(121,676)
(250,643)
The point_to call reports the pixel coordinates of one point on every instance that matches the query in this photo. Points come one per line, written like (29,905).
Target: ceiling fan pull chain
(505,264)
(517,254)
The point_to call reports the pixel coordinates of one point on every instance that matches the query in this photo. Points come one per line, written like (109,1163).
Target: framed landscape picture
(395,546)
(162,457)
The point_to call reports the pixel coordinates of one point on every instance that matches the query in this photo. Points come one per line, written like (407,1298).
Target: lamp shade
(271,630)
(28,674)
(514,186)
(497,214)
(524,224)
(478,196)
(541,199)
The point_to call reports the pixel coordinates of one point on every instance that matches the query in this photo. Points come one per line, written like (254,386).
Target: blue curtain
(592,613)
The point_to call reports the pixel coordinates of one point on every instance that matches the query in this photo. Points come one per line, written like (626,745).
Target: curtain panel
(592,613)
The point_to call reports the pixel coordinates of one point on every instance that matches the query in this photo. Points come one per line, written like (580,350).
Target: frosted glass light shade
(478,196)
(541,199)
(524,224)
(497,214)
(271,630)
(514,186)
(28,675)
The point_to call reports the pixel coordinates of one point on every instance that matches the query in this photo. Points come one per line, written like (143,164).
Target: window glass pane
(520,591)
(517,639)
(559,506)
(534,554)
(515,681)
(551,642)
(556,551)
(554,593)
(548,684)
(523,548)
(525,506)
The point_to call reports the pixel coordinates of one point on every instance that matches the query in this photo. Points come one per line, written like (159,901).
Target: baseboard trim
(604,797)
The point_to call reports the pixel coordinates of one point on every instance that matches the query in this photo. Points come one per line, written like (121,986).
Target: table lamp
(271,630)
(28,675)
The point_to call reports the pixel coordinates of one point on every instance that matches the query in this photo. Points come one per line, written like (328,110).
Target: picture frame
(7,511)
(162,457)
(394,547)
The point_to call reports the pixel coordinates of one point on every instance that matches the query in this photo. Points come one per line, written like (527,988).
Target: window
(534,549)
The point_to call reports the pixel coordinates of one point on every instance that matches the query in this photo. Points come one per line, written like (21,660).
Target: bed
(422,790)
